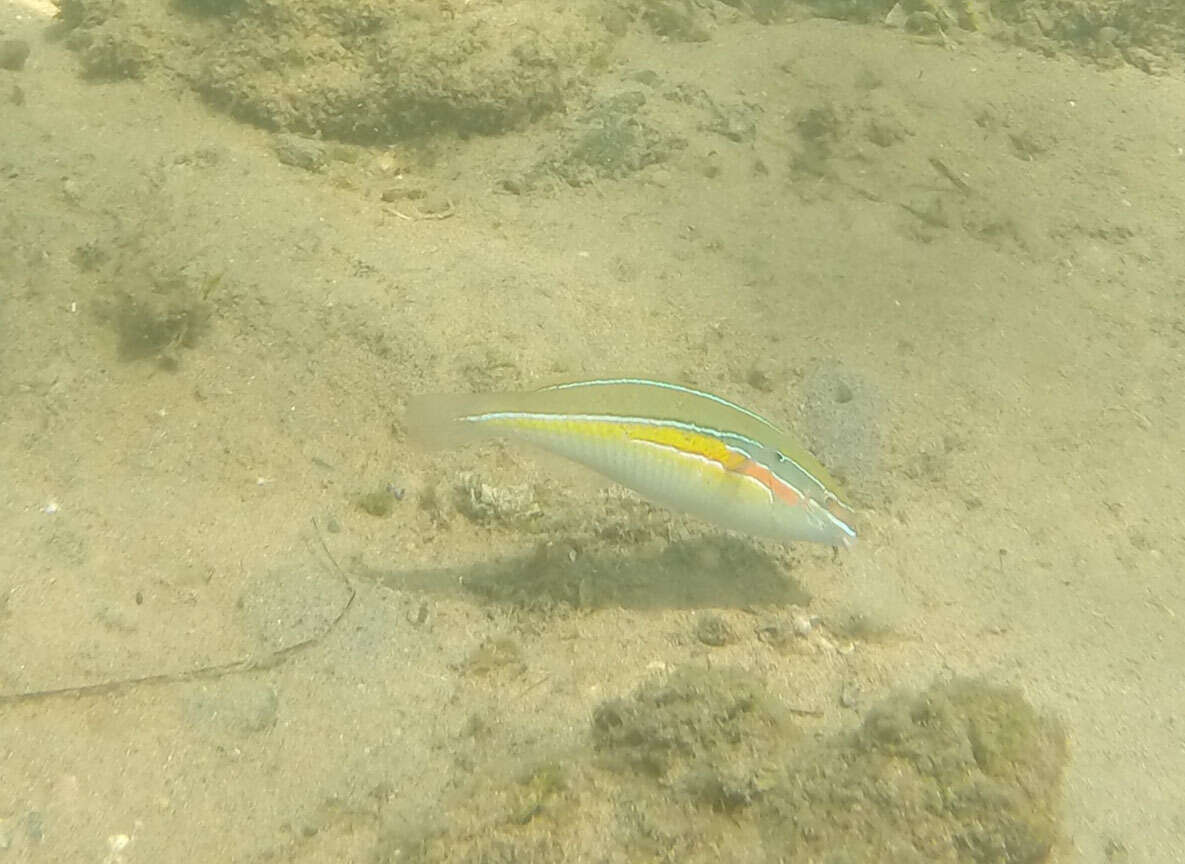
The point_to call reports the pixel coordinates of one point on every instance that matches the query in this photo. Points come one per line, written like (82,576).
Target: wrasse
(681,448)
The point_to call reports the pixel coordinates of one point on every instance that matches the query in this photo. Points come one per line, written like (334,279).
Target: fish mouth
(840,521)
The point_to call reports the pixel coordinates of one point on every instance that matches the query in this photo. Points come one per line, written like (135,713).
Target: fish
(681,448)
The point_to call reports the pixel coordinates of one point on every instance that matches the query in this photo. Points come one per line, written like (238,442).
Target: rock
(713,630)
(300,152)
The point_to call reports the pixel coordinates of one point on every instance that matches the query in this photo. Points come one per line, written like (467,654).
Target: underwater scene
(614,431)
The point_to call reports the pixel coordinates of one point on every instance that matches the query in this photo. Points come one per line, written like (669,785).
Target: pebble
(71,191)
(803,625)
(301,152)
(713,630)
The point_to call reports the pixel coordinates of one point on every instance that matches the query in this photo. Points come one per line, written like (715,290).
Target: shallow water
(283,631)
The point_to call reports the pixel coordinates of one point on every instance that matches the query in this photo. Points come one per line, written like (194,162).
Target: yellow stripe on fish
(679,447)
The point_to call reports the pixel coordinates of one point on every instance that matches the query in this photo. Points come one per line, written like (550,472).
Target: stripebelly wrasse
(680,448)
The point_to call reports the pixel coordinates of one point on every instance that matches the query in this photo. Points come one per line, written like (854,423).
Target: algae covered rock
(963,771)
(707,765)
(367,71)
(714,735)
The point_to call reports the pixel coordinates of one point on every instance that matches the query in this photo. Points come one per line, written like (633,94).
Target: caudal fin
(435,420)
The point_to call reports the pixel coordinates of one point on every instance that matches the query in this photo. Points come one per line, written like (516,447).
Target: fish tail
(437,420)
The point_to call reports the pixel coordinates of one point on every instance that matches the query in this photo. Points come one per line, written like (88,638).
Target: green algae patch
(964,771)
(707,765)
(365,71)
(716,736)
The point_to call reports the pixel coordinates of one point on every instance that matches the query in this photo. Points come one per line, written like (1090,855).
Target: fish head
(832,519)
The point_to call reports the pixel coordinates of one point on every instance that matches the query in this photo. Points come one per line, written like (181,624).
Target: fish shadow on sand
(717,572)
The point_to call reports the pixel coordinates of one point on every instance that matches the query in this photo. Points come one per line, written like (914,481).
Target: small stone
(482,502)
(403,193)
(921,23)
(773,632)
(896,17)
(1045,22)
(713,630)
(378,503)
(301,152)
(494,654)
(1144,60)
(660,177)
(71,191)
